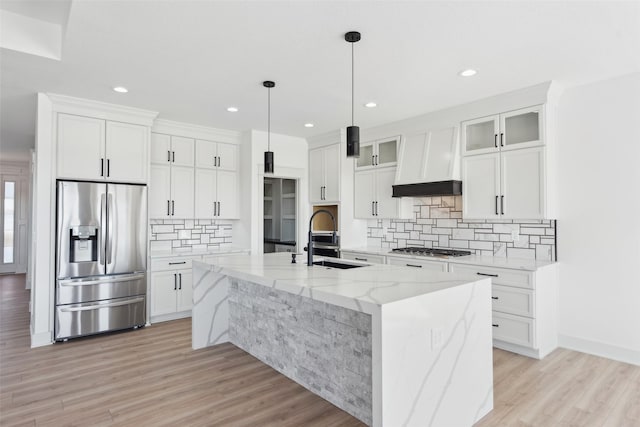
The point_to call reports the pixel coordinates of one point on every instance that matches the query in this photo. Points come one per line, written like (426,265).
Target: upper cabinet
(172,150)
(378,153)
(216,180)
(373,196)
(324,174)
(96,149)
(511,130)
(216,155)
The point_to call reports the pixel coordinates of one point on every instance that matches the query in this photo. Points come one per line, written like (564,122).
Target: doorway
(280,215)
(13,220)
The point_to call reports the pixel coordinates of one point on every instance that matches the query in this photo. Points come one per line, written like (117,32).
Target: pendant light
(268,155)
(353,132)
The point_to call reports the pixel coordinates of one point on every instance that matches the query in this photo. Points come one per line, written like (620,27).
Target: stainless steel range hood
(426,189)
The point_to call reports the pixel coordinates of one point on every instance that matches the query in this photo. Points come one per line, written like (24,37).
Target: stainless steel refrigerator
(101,251)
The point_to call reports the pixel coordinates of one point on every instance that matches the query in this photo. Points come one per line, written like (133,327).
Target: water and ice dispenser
(83,243)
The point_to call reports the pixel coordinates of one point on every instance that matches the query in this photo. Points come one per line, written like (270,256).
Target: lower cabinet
(364,257)
(418,263)
(171,288)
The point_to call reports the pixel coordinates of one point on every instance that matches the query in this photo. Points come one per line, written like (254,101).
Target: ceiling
(190,60)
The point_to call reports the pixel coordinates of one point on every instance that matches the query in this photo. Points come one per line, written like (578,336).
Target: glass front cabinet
(378,153)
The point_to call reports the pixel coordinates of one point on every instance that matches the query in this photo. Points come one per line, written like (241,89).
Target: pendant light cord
(352,86)
(269,119)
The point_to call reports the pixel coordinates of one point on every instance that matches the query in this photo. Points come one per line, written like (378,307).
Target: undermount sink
(340,265)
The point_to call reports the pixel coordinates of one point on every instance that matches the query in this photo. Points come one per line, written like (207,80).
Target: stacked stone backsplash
(437,222)
(194,234)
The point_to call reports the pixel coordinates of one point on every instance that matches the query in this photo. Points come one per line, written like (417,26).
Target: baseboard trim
(170,316)
(609,351)
(41,339)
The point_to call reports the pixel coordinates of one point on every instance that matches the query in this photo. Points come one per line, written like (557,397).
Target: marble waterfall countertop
(357,288)
(489,261)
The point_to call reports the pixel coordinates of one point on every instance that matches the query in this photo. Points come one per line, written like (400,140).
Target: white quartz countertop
(190,252)
(500,262)
(357,288)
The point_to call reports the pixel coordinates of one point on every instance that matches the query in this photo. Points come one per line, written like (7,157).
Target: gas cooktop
(440,253)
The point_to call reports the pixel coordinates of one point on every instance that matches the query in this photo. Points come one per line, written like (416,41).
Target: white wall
(599,221)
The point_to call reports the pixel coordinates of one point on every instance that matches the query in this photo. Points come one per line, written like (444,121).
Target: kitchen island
(391,345)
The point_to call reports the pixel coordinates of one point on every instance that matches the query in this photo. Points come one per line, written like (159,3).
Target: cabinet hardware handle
(373,160)
(168,155)
(215,161)
(373,213)
(322,193)
(218,208)
(176,263)
(495,139)
(173,207)
(168,208)
(214,208)
(360,259)
(495,325)
(101,167)
(219,161)
(180,286)
(414,265)
(502,204)
(376,208)
(377,162)
(486,274)
(501,139)
(495,298)
(173,155)
(108,167)
(496,205)
(175,282)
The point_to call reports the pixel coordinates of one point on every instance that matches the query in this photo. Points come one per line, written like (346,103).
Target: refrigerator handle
(103,211)
(109,228)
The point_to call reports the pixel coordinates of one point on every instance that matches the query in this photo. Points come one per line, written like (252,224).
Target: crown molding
(328,138)
(196,131)
(101,110)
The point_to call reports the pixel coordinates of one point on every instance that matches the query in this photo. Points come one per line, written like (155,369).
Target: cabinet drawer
(354,256)
(418,263)
(513,329)
(177,263)
(511,300)
(499,276)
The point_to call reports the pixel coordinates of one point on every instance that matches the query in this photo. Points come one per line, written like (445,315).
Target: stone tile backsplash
(195,234)
(438,223)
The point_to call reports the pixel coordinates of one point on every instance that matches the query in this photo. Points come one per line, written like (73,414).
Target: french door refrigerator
(101,251)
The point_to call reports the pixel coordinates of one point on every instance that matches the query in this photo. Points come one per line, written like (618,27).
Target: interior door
(8,218)
(126,246)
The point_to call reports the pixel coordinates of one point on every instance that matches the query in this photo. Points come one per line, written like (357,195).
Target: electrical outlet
(515,235)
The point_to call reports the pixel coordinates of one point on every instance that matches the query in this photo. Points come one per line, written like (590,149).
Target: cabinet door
(164,285)
(127,152)
(227,157)
(481,135)
(205,195)
(81,147)
(332,173)
(367,156)
(316,175)
(418,263)
(160,191)
(480,195)
(364,185)
(521,128)
(206,154)
(387,152)
(185,290)
(182,187)
(160,148)
(227,190)
(523,184)
(182,150)
(386,205)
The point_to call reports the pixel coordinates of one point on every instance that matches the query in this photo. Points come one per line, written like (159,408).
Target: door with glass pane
(8,238)
(521,128)
(481,135)
(380,153)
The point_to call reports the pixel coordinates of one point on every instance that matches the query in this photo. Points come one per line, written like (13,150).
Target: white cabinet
(216,155)
(324,174)
(418,263)
(511,130)
(364,257)
(373,191)
(216,194)
(524,304)
(429,156)
(378,153)
(171,187)
(96,149)
(171,288)
(507,185)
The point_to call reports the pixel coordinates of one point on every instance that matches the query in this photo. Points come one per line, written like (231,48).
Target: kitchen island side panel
(325,348)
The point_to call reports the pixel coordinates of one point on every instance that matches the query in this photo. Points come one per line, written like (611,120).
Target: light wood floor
(152,377)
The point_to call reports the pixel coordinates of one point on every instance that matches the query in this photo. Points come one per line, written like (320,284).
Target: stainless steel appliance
(101,251)
(430,252)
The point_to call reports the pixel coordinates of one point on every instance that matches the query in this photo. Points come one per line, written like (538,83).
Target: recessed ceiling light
(468,73)
(370,105)
(232,109)
(121,89)
(308,125)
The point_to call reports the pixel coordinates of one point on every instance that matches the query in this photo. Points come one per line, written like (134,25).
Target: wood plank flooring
(151,377)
